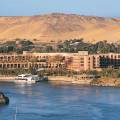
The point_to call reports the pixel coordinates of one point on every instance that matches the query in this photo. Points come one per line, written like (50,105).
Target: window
(81,59)
(81,65)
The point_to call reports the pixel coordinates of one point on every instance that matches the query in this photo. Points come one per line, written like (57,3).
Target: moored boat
(27,78)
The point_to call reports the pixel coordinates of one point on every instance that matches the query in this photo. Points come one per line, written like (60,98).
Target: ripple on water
(48,102)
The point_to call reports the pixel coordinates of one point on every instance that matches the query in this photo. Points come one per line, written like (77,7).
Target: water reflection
(24,89)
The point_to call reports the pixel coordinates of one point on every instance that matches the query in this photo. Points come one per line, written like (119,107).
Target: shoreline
(101,82)
(106,82)
(7,78)
(63,80)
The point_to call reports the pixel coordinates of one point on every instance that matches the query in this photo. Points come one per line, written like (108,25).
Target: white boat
(27,78)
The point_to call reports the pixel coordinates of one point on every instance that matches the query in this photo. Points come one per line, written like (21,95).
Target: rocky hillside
(58,27)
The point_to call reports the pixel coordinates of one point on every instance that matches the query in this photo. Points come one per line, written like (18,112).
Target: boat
(27,78)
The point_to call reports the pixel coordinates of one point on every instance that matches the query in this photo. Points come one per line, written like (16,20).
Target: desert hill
(58,27)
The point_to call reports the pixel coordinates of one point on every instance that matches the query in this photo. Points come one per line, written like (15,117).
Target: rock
(3,99)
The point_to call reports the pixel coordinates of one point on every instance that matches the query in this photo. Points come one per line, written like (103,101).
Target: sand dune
(60,27)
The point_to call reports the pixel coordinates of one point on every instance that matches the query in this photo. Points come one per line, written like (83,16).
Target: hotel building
(81,61)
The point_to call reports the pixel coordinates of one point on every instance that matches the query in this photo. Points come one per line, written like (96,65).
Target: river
(44,101)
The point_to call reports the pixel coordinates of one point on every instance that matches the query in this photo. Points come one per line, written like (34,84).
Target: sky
(106,8)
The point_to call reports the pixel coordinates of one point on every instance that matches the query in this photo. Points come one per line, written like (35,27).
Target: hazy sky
(110,8)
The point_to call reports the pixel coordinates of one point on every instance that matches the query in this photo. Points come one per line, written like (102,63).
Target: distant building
(81,61)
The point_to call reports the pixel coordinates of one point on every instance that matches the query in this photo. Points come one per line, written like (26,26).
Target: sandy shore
(68,80)
(60,79)
(7,78)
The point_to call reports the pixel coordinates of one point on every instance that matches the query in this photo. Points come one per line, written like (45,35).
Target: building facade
(81,61)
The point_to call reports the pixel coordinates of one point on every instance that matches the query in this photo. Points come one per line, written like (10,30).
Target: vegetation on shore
(107,72)
(17,45)
(79,45)
(71,46)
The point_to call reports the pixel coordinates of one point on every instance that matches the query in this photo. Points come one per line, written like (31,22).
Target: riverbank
(106,81)
(4,78)
(69,80)
(60,79)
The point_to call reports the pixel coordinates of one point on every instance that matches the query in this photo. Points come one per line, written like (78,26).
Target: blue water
(44,101)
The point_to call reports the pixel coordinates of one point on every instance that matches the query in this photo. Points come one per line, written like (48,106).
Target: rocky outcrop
(110,82)
(3,99)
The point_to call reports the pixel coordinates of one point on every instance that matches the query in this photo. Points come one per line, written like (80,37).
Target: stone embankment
(3,99)
(60,79)
(7,78)
(68,80)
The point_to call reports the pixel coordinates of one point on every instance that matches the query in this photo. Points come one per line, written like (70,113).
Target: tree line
(79,45)
(72,46)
